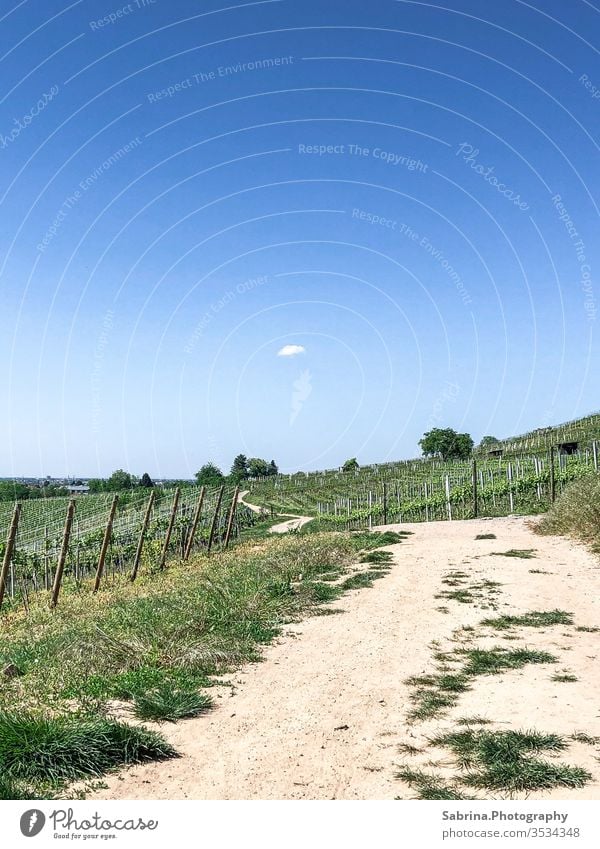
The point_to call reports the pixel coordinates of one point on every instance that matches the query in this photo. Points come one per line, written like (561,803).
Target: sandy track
(323,716)
(292,523)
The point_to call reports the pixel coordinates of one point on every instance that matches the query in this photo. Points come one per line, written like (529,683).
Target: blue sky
(406,191)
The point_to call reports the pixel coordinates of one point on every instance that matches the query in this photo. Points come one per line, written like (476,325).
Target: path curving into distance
(293,522)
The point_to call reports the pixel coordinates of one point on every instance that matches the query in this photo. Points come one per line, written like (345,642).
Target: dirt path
(324,715)
(293,522)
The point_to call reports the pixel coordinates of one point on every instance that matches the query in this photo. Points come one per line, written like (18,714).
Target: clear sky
(296,229)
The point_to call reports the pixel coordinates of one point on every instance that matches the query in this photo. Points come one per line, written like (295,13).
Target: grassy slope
(154,644)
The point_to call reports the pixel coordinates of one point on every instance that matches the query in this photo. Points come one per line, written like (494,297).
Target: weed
(564,677)
(503,760)
(485,536)
(582,737)
(428,786)
(534,619)
(492,661)
(169,704)
(473,720)
(586,629)
(524,553)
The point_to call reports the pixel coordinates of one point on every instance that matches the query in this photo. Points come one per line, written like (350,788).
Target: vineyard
(426,490)
(106,535)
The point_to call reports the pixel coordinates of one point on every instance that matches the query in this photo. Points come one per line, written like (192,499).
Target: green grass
(473,720)
(361,579)
(428,786)
(168,704)
(564,677)
(37,751)
(377,557)
(485,536)
(505,760)
(586,629)
(576,512)
(582,737)
(492,661)
(157,644)
(524,553)
(534,619)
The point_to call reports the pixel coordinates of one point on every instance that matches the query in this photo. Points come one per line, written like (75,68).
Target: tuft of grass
(428,786)
(492,661)
(564,677)
(361,579)
(168,704)
(473,720)
(539,572)
(505,760)
(377,556)
(582,737)
(586,629)
(485,536)
(56,750)
(409,749)
(533,619)
(576,512)
(524,553)
(429,703)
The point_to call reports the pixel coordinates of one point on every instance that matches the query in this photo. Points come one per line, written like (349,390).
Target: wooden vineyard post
(8,551)
(448,504)
(60,566)
(165,548)
(475,512)
(213,524)
(552,478)
(105,542)
(385,506)
(370,509)
(195,520)
(231,516)
(511,499)
(595,453)
(140,545)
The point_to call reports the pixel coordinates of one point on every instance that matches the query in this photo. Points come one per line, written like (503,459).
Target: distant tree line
(14,491)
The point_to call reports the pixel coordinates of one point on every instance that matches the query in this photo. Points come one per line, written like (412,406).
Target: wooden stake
(195,520)
(105,542)
(552,478)
(8,551)
(385,506)
(230,518)
(474,489)
(163,556)
(214,519)
(63,554)
(140,545)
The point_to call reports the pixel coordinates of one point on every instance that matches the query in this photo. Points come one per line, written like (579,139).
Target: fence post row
(195,520)
(552,478)
(163,555)
(214,519)
(63,554)
(140,545)
(8,551)
(231,516)
(105,542)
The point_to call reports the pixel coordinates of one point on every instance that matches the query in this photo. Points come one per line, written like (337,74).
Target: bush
(576,512)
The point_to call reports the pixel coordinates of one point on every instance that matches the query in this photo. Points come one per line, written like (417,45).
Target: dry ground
(325,714)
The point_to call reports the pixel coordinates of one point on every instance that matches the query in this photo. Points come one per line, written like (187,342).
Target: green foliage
(146,481)
(446,443)
(239,468)
(59,749)
(504,760)
(350,465)
(209,475)
(576,512)
(534,619)
(167,703)
(487,443)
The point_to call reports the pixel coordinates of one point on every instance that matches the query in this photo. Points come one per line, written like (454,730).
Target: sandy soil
(323,717)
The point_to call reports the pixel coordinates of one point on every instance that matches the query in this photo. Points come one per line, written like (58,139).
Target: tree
(239,469)
(350,465)
(146,480)
(488,442)
(209,475)
(119,480)
(257,468)
(446,443)
(273,468)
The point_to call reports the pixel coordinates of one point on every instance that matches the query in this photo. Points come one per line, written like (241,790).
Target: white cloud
(291,351)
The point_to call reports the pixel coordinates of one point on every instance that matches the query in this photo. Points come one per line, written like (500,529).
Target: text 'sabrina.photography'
(300,467)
